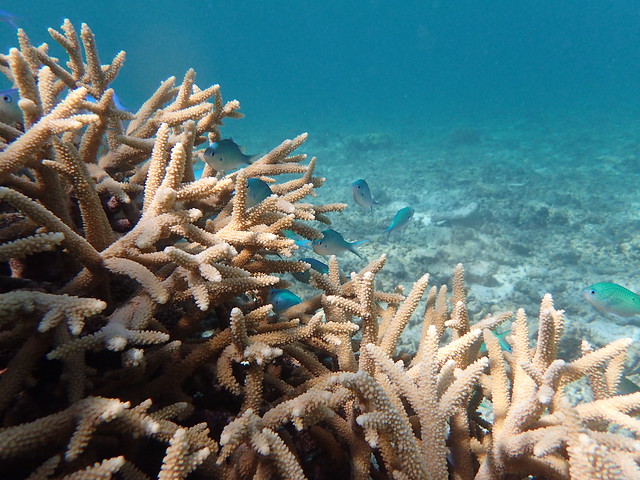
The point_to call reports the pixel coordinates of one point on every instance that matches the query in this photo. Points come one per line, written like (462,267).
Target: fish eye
(592,292)
(7,98)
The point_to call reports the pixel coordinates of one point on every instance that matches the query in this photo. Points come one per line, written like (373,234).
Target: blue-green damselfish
(225,155)
(612,298)
(502,339)
(400,220)
(627,387)
(362,194)
(316,265)
(299,241)
(10,112)
(282,299)
(332,243)
(257,191)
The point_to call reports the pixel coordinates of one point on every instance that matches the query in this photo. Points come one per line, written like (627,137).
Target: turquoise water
(513,130)
(316,64)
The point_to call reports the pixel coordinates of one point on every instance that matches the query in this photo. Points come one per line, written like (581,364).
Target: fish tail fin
(119,105)
(249,159)
(303,243)
(352,248)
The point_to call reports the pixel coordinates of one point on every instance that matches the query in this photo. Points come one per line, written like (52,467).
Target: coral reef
(137,341)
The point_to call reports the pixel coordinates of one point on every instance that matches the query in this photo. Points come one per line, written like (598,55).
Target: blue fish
(198,169)
(282,299)
(225,154)
(332,243)
(400,220)
(257,191)
(299,241)
(502,339)
(362,194)
(10,112)
(627,387)
(316,265)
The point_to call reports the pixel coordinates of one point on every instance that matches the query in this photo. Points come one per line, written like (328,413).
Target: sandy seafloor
(542,203)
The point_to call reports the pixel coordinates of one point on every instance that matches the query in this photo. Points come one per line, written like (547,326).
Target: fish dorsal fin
(359,242)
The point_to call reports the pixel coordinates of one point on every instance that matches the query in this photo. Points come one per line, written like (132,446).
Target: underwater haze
(370,63)
(512,129)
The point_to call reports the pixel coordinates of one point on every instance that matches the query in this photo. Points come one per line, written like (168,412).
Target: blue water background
(306,64)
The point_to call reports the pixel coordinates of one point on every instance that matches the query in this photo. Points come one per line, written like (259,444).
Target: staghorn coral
(136,340)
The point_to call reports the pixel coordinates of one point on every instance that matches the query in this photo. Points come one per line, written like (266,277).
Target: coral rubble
(137,341)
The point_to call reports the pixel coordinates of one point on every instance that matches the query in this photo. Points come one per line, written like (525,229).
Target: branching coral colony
(115,260)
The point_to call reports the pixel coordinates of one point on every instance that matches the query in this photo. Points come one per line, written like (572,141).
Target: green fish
(612,298)
(332,243)
(225,155)
(281,299)
(400,220)
(502,338)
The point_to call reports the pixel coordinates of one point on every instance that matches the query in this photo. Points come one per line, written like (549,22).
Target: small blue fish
(225,155)
(198,169)
(10,112)
(362,194)
(257,191)
(332,243)
(504,345)
(316,265)
(299,241)
(400,220)
(627,387)
(282,299)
